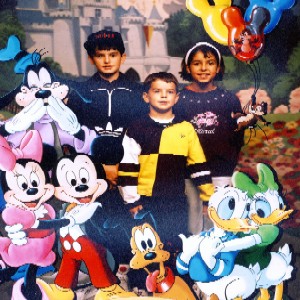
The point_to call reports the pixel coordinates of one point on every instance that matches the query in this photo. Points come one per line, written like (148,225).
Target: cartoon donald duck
(209,258)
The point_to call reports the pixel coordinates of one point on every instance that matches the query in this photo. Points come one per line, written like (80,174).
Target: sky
(164,7)
(167,7)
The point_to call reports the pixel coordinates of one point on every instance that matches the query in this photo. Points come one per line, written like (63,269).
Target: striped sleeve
(198,167)
(129,168)
(196,161)
(181,266)
(224,264)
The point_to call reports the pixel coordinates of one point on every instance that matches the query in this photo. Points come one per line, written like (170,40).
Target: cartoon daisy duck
(30,220)
(209,258)
(267,210)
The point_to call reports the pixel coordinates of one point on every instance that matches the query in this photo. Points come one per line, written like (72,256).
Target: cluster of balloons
(244,35)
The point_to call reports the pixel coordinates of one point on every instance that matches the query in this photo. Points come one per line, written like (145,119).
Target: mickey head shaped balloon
(245,39)
(211,17)
(275,8)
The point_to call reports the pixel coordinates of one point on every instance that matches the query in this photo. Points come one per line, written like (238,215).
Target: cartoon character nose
(32,191)
(43,94)
(150,255)
(81,188)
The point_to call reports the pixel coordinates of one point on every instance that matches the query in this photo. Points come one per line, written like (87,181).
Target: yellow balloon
(211,17)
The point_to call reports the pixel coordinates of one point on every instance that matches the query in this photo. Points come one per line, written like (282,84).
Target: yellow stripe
(131,174)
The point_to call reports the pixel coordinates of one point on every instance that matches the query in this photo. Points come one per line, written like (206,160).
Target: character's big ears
(266,178)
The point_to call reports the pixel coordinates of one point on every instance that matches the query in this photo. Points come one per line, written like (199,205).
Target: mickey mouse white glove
(209,248)
(63,115)
(190,246)
(28,115)
(82,212)
(16,234)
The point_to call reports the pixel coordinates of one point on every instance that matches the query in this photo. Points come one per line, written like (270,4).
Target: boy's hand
(111,172)
(135,210)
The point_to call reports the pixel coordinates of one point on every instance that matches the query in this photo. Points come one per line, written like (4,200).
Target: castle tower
(156,47)
(131,24)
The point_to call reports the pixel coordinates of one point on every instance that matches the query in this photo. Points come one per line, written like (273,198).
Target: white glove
(209,248)
(83,212)
(28,115)
(16,234)
(63,115)
(71,219)
(190,246)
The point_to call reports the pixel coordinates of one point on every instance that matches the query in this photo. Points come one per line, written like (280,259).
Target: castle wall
(36,40)
(64,45)
(158,44)
(135,42)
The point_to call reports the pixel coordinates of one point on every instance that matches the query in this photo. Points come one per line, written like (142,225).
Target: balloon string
(255,69)
(258,75)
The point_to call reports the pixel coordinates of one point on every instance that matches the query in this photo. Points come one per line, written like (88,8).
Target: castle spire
(154,15)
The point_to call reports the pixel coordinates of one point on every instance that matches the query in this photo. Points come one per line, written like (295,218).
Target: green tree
(289,80)
(9,25)
(293,64)
(185,30)
(282,88)
(54,66)
(8,4)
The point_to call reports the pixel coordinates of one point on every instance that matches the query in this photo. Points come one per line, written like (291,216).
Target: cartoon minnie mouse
(29,219)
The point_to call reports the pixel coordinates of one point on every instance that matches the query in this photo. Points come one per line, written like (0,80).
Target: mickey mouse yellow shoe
(55,292)
(113,292)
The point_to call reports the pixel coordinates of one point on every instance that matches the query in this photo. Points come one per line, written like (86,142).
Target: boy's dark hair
(205,50)
(104,40)
(164,76)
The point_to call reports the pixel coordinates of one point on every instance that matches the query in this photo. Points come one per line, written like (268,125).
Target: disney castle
(60,27)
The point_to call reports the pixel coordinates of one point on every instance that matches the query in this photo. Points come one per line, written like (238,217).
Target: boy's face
(108,63)
(162,96)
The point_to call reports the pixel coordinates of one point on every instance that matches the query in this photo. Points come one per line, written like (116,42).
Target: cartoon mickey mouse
(29,219)
(79,181)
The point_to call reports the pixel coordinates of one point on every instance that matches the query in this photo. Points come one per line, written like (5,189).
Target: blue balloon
(275,8)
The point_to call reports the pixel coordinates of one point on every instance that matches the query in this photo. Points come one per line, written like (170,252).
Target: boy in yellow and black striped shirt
(160,151)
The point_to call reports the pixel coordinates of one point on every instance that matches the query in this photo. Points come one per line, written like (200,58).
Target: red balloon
(246,40)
